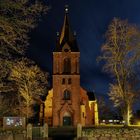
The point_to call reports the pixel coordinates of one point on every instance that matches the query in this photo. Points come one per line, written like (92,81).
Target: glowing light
(66,9)
(110,120)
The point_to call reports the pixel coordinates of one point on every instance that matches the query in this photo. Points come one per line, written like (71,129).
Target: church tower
(67,103)
(66,78)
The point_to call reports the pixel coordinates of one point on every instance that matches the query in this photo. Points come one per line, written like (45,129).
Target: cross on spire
(66,8)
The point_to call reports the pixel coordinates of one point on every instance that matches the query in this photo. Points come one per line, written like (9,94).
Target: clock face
(66,50)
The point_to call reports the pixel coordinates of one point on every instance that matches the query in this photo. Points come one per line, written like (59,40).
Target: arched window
(63,81)
(67,66)
(66,95)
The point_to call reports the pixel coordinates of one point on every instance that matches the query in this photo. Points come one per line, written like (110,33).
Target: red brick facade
(66,82)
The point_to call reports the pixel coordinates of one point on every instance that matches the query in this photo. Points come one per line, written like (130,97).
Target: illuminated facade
(67,103)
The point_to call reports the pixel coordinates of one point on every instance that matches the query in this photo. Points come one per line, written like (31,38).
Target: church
(67,103)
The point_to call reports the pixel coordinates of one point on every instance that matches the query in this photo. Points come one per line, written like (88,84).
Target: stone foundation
(111,133)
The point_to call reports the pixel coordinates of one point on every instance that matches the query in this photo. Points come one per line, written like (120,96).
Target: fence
(40,133)
(37,132)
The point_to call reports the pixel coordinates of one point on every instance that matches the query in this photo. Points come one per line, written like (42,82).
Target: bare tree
(8,102)
(106,111)
(31,84)
(17,18)
(120,53)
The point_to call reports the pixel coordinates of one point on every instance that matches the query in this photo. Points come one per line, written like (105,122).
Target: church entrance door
(67,119)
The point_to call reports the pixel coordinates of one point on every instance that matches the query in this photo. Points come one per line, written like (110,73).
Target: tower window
(67,66)
(63,81)
(66,95)
(69,81)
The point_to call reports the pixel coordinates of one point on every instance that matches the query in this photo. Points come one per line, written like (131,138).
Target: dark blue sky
(89,18)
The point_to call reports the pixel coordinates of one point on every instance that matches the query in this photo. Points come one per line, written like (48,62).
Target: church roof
(91,95)
(66,36)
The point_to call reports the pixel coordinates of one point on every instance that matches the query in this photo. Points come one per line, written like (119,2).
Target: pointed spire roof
(66,35)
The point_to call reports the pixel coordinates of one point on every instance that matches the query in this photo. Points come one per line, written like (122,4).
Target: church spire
(66,35)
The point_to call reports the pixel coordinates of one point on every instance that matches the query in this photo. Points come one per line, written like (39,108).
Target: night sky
(90,19)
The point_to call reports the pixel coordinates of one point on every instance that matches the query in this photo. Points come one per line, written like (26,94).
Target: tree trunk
(127,114)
